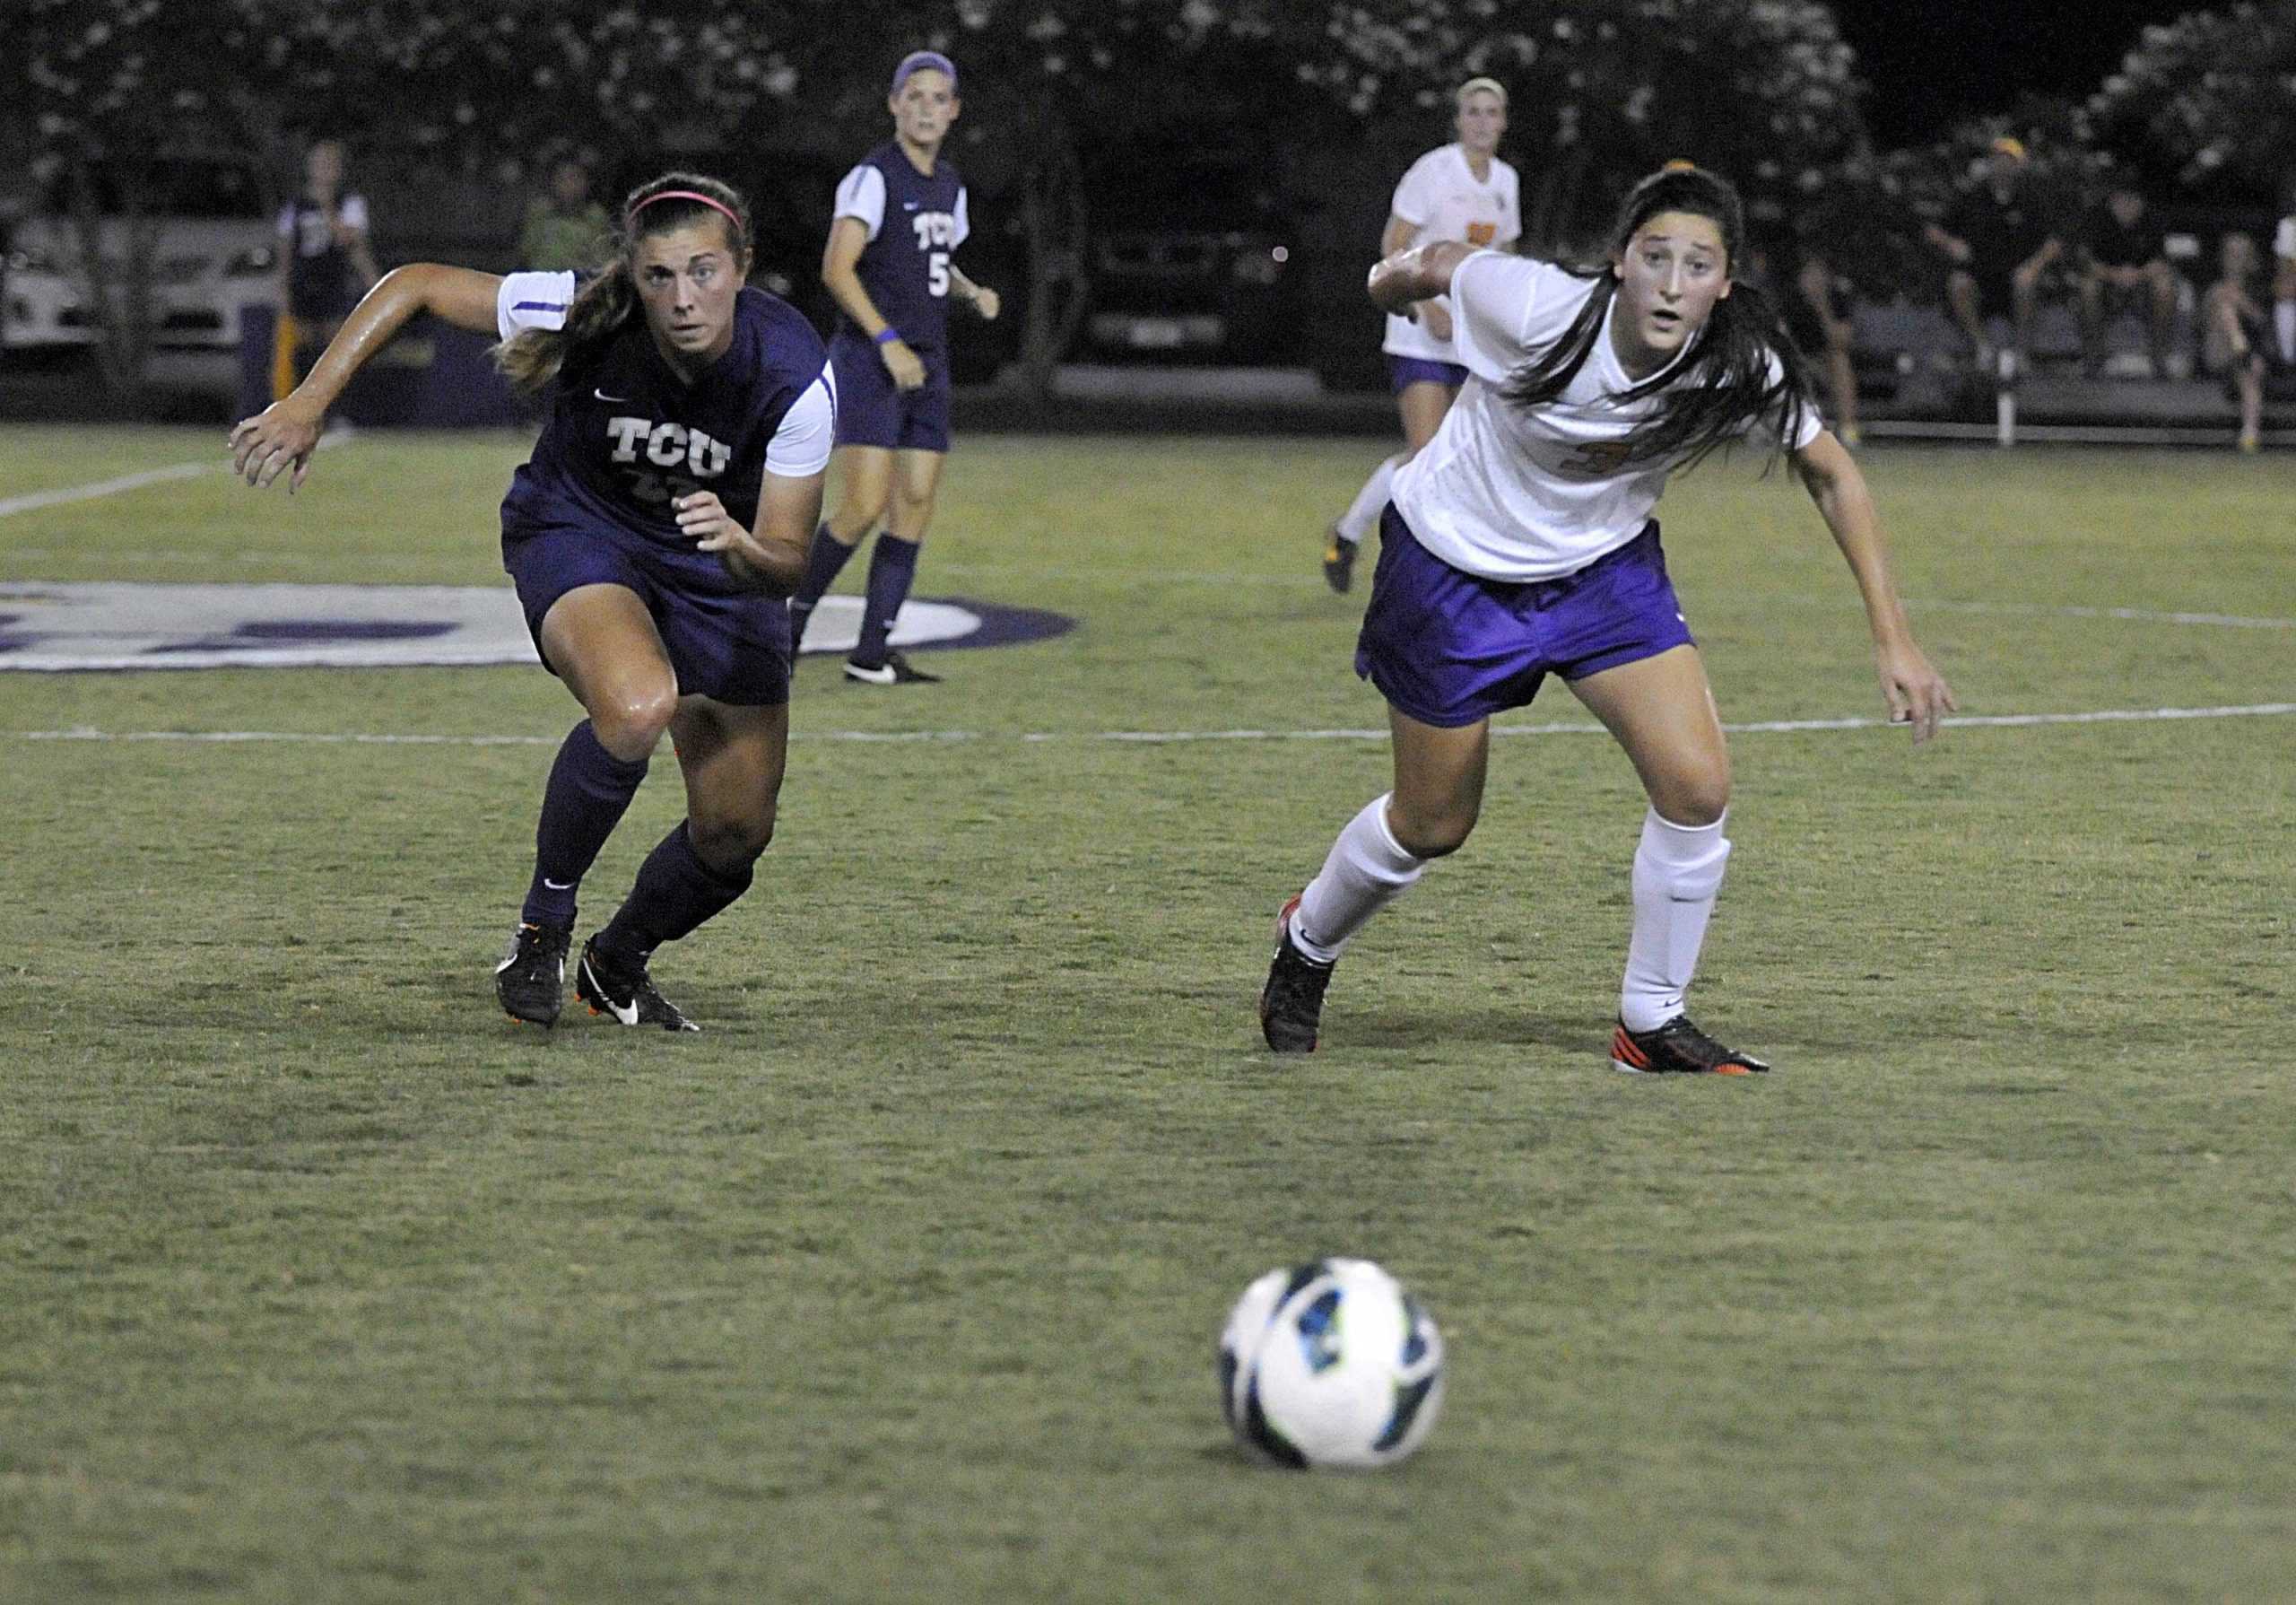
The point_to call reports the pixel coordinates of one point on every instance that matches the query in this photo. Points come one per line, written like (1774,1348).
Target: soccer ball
(1330,1364)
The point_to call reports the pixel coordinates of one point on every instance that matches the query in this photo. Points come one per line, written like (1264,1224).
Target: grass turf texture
(318,1280)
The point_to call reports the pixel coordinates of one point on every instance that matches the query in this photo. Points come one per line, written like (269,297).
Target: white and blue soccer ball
(1330,1364)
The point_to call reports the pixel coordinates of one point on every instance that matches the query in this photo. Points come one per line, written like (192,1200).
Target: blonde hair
(1480,86)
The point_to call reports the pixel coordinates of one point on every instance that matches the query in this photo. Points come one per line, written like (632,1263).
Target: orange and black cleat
(1678,1048)
(1291,1003)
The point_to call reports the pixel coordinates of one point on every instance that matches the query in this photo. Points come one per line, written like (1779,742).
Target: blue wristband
(887,334)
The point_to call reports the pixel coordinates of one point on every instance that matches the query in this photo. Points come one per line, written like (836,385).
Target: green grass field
(318,1280)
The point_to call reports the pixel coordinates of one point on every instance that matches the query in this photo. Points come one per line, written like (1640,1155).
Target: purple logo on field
(126,626)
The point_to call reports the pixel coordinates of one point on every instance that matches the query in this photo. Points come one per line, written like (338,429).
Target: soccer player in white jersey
(1520,543)
(1460,191)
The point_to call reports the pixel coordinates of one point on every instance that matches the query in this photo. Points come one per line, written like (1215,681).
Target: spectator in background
(565,230)
(2000,243)
(2235,338)
(1813,301)
(2124,253)
(324,265)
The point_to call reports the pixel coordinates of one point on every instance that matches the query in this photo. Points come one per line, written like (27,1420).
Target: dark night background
(1934,63)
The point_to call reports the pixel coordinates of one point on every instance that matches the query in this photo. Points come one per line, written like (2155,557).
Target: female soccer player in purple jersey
(1459,191)
(900,216)
(1519,543)
(652,535)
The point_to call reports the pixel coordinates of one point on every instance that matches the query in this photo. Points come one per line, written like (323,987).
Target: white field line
(10,505)
(103,488)
(1775,727)
(2141,616)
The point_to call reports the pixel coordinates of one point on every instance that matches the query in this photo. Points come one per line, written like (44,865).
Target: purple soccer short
(1402,372)
(732,646)
(873,411)
(1448,648)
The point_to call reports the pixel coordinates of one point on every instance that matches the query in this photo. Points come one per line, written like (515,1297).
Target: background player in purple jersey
(664,514)
(1520,544)
(900,216)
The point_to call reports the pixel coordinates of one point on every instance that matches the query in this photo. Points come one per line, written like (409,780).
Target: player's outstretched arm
(1416,275)
(284,433)
(1917,694)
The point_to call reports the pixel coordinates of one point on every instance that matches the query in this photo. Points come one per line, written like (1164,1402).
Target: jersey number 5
(936,273)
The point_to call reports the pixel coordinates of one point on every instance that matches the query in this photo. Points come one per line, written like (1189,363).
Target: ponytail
(607,301)
(532,358)
(1741,367)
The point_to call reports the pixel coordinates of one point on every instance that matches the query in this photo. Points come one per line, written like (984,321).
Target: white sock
(1678,871)
(2283,325)
(1366,870)
(1363,512)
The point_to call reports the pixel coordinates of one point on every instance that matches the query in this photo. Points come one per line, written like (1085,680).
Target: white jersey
(2284,239)
(1442,199)
(1518,493)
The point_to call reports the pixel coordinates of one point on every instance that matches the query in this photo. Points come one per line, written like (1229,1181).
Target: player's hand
(905,365)
(703,517)
(281,437)
(1917,694)
(1435,318)
(985,301)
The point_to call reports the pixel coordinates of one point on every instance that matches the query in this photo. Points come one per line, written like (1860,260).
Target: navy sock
(589,791)
(824,561)
(675,893)
(891,568)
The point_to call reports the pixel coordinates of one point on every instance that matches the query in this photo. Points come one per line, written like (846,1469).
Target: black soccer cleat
(1678,1047)
(531,978)
(624,994)
(1291,1003)
(1339,561)
(895,670)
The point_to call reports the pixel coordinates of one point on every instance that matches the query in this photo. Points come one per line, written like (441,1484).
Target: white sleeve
(963,224)
(1412,202)
(527,301)
(1493,298)
(352,212)
(862,193)
(1806,430)
(1511,230)
(2283,240)
(800,445)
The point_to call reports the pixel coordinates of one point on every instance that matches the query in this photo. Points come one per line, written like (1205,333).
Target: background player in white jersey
(1520,543)
(1462,192)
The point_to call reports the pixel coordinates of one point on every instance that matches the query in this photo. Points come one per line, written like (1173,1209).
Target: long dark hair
(609,300)
(1724,381)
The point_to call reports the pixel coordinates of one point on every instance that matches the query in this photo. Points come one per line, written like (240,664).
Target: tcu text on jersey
(666,446)
(937,234)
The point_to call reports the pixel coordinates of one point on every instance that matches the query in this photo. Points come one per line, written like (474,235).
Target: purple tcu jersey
(915,221)
(625,435)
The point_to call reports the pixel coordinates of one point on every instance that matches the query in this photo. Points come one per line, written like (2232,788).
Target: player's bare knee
(1695,803)
(1431,835)
(631,725)
(730,843)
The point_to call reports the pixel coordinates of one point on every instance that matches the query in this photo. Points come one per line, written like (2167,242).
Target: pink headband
(689,194)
